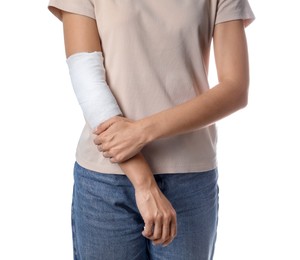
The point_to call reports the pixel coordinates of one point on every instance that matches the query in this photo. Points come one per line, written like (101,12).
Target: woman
(145,178)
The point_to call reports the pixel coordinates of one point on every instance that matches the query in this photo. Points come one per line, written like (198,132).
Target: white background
(41,122)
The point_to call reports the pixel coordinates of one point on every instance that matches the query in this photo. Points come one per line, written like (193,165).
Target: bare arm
(225,98)
(81,35)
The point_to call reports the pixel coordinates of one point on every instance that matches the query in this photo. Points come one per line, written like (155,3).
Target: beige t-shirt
(156,55)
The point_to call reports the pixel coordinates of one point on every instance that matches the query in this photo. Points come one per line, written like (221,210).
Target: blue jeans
(107,225)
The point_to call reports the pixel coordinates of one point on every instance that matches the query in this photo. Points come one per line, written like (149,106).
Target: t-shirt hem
(174,169)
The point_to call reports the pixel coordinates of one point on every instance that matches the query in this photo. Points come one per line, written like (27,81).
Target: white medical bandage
(87,74)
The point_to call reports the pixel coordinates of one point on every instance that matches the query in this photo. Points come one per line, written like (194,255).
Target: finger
(148,230)
(173,227)
(173,230)
(102,127)
(105,125)
(166,234)
(106,155)
(172,234)
(100,148)
(117,158)
(168,242)
(97,140)
(113,160)
(157,229)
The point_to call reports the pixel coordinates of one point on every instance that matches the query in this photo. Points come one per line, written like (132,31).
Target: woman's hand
(158,214)
(119,139)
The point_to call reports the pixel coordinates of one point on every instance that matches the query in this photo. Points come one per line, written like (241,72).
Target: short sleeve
(228,10)
(82,7)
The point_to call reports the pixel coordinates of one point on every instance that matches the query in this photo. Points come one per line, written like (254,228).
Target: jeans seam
(75,253)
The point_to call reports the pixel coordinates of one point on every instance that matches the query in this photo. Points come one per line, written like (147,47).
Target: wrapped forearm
(87,74)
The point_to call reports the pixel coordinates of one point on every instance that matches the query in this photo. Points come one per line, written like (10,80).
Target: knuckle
(148,218)
(167,220)
(159,218)
(159,214)
(169,217)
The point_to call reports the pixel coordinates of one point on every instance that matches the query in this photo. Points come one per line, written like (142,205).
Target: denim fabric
(107,225)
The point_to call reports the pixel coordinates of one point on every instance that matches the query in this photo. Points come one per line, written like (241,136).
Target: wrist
(148,131)
(145,185)
(138,172)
